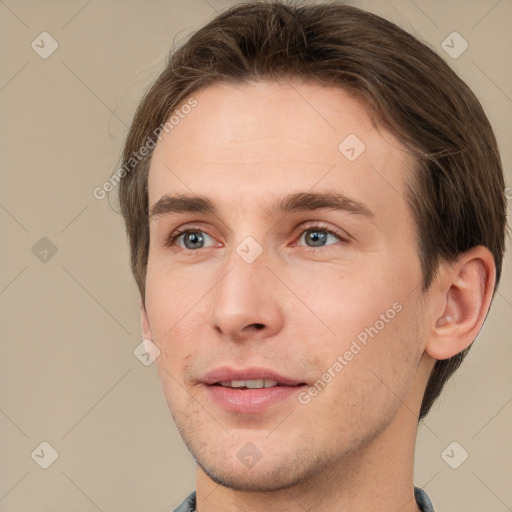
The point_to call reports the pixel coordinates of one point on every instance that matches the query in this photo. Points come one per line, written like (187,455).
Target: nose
(246,302)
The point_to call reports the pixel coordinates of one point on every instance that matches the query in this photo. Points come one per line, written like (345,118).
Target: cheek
(343,302)
(375,378)
(367,323)
(172,302)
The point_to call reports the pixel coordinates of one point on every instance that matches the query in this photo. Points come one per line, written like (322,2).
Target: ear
(144,323)
(463,292)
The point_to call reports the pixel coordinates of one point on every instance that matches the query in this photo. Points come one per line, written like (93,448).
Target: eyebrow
(301,201)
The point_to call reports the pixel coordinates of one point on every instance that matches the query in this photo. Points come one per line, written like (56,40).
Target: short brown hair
(456,191)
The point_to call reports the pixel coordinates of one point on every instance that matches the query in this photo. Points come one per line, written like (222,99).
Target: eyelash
(308,227)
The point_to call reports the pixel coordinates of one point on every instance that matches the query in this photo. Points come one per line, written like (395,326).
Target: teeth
(250,384)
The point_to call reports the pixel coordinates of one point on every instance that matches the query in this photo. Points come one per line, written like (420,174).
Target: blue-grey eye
(192,240)
(318,237)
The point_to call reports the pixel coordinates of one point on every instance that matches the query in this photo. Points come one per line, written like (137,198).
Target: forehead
(264,139)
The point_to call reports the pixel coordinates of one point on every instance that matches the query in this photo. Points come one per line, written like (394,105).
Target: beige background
(69,325)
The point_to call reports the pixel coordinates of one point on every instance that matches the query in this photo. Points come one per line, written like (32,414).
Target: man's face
(325,301)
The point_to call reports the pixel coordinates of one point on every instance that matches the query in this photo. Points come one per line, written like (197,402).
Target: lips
(226,374)
(249,390)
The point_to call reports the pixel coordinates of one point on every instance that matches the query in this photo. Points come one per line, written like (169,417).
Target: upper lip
(226,374)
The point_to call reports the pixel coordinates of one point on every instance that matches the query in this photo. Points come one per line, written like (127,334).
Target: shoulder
(423,500)
(188,505)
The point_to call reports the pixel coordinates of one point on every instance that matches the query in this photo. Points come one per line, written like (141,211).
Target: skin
(352,446)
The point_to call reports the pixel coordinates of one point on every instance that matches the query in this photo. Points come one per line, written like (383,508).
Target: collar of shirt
(422,499)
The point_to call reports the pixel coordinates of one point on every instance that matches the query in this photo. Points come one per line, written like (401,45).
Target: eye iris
(193,238)
(317,238)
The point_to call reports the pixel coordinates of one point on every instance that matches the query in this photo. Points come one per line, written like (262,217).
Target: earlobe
(144,323)
(467,287)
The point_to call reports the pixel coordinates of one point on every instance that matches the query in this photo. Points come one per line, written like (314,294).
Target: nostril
(259,326)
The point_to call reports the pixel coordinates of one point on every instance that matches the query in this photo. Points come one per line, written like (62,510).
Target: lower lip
(250,400)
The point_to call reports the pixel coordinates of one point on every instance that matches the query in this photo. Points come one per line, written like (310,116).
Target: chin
(263,479)
(277,467)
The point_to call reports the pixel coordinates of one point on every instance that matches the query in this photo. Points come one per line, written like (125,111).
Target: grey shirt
(422,499)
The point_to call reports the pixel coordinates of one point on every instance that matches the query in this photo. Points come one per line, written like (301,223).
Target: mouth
(251,377)
(250,390)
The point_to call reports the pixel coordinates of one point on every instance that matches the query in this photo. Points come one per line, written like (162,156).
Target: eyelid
(310,225)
